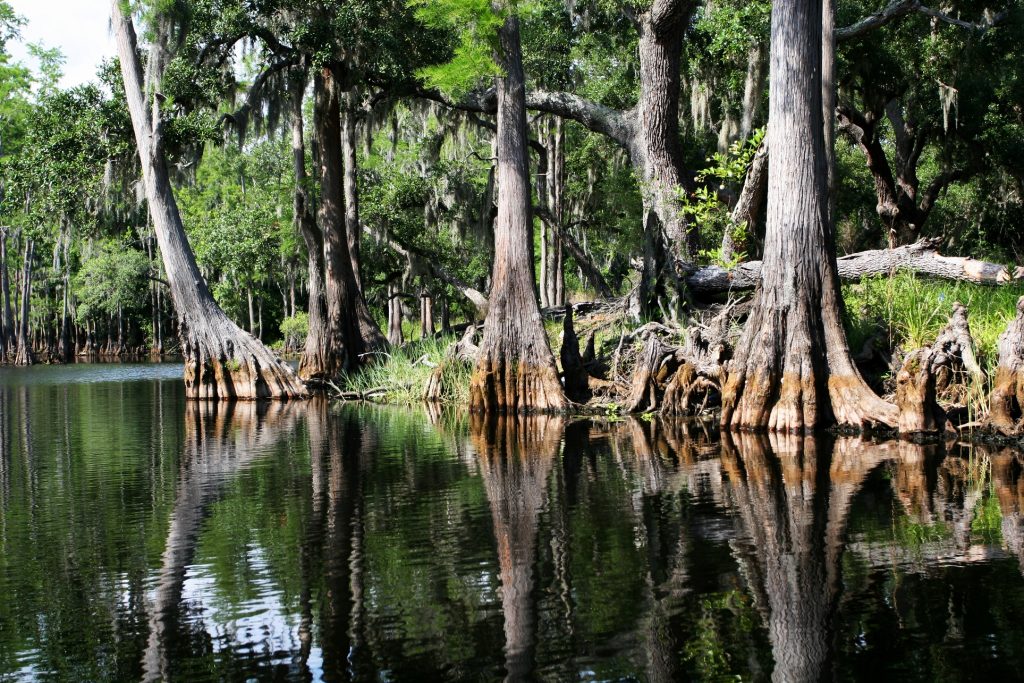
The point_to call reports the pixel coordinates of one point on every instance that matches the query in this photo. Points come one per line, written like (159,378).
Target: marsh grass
(403,373)
(910,312)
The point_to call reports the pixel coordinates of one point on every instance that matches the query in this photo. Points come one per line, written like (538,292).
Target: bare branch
(901,8)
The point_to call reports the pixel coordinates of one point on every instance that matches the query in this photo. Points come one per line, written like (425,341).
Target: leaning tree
(221,360)
(792,369)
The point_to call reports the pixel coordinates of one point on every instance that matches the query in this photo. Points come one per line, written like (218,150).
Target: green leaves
(475,24)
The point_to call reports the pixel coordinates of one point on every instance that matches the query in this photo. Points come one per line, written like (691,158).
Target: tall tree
(221,360)
(515,370)
(793,370)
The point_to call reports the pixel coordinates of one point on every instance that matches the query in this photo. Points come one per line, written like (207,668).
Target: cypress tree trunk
(343,343)
(6,317)
(313,365)
(351,184)
(394,317)
(656,154)
(1006,409)
(221,361)
(515,369)
(793,370)
(24,355)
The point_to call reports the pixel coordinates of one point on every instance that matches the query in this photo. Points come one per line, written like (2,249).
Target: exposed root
(919,412)
(502,386)
(655,366)
(462,351)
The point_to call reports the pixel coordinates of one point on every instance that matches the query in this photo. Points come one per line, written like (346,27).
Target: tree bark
(352,331)
(657,156)
(792,370)
(24,354)
(221,361)
(313,365)
(426,315)
(1006,409)
(395,334)
(515,370)
(7,340)
(349,102)
(344,342)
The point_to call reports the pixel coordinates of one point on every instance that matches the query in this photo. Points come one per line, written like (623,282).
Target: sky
(80,28)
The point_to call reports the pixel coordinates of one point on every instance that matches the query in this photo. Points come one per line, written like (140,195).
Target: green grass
(910,311)
(404,374)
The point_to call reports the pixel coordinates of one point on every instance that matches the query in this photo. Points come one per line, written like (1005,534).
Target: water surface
(146,538)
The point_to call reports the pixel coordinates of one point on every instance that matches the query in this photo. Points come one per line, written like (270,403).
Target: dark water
(145,538)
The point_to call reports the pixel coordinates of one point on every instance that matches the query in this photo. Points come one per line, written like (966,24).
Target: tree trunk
(221,361)
(657,157)
(313,364)
(515,369)
(426,315)
(349,101)
(24,355)
(252,312)
(395,335)
(351,330)
(6,317)
(344,344)
(792,370)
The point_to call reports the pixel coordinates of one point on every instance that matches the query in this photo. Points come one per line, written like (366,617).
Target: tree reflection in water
(220,440)
(308,542)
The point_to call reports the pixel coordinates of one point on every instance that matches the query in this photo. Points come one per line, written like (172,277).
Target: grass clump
(910,311)
(402,373)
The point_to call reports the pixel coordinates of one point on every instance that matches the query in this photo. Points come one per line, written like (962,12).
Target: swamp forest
(604,340)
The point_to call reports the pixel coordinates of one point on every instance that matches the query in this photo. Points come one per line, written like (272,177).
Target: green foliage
(476,24)
(705,208)
(111,280)
(294,330)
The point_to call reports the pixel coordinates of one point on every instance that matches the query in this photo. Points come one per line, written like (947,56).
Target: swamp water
(143,538)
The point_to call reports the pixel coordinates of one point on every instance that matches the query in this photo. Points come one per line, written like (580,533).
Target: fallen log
(922,258)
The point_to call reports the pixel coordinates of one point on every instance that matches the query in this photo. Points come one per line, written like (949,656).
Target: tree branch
(616,124)
(240,117)
(900,8)
(920,257)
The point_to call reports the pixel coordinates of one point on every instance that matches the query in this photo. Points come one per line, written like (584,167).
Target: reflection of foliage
(726,620)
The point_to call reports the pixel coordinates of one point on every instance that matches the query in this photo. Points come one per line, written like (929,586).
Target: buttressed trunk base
(515,370)
(792,370)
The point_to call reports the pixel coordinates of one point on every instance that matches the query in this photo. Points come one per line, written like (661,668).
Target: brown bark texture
(515,370)
(1006,407)
(792,370)
(221,361)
